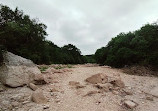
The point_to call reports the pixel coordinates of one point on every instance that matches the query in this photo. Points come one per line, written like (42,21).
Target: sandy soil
(65,97)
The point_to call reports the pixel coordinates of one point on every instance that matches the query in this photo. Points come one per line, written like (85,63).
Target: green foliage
(101,55)
(63,66)
(89,59)
(69,66)
(139,47)
(43,68)
(59,67)
(20,34)
(26,37)
(71,54)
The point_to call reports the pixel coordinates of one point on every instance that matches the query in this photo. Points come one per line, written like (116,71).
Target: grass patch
(43,68)
(69,66)
(63,66)
(59,67)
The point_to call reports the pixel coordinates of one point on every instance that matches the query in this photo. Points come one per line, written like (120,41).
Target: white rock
(17,71)
(45,106)
(130,104)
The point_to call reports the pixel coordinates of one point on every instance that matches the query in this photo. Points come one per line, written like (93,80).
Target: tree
(72,54)
(21,35)
(138,47)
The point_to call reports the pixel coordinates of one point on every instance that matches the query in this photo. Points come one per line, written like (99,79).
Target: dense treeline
(139,47)
(26,37)
(89,58)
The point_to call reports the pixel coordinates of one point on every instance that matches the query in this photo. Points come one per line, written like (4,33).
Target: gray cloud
(88,24)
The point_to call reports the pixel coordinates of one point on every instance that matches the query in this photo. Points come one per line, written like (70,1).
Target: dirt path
(66,97)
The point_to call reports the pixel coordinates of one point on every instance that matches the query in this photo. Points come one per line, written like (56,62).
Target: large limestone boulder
(17,71)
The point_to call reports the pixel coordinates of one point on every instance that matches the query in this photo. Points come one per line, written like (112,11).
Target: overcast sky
(88,24)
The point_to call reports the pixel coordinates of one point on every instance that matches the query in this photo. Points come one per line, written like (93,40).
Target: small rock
(77,85)
(53,89)
(80,86)
(116,88)
(91,93)
(39,79)
(105,87)
(62,92)
(127,91)
(139,91)
(25,102)
(150,98)
(98,102)
(38,97)
(15,104)
(45,106)
(33,86)
(129,87)
(115,92)
(118,83)
(57,100)
(51,94)
(130,104)
(73,83)
(55,82)
(97,78)
(1,89)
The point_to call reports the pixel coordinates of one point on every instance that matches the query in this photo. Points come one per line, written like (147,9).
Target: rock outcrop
(97,78)
(17,71)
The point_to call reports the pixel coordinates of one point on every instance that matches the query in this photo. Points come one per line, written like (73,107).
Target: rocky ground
(83,88)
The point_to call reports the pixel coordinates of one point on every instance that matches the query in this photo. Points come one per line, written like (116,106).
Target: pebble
(1,89)
(25,102)
(130,104)
(129,87)
(115,92)
(45,106)
(51,94)
(143,102)
(57,101)
(149,98)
